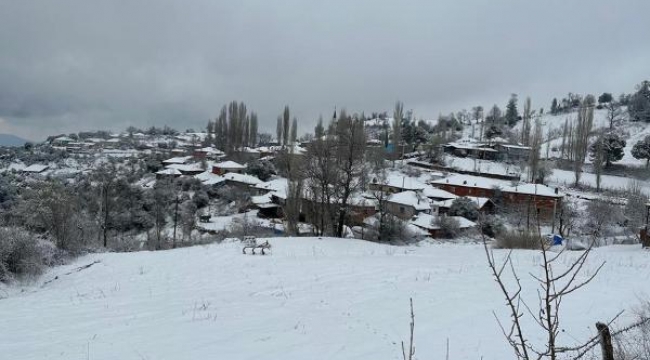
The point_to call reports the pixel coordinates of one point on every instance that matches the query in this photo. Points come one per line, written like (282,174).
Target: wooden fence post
(605,341)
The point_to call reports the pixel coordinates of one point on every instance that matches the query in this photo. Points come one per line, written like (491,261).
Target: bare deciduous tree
(398,115)
(350,152)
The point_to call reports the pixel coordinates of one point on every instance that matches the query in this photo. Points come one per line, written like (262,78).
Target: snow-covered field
(567,178)
(310,299)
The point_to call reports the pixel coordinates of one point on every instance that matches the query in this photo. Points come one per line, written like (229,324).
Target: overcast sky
(71,65)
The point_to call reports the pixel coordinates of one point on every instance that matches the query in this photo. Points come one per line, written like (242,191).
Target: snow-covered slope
(310,299)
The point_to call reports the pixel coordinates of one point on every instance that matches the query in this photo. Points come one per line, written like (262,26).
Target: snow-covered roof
(210,150)
(427,221)
(400,181)
(410,198)
(242,178)
(229,165)
(533,189)
(177,160)
(185,167)
(363,200)
(169,172)
(471,181)
(267,149)
(278,185)
(516,147)
(476,146)
(295,149)
(479,201)
(433,192)
(250,150)
(62,139)
(36,168)
(209,178)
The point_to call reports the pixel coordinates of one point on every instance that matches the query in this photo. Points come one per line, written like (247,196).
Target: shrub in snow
(232,194)
(519,239)
(411,171)
(201,199)
(263,170)
(464,207)
(20,254)
(601,216)
(492,226)
(449,227)
(387,228)
(635,206)
(635,343)
(191,183)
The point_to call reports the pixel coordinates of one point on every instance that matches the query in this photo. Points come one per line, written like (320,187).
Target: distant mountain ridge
(11,140)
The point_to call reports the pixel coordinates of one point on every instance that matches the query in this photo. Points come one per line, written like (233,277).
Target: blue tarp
(557,240)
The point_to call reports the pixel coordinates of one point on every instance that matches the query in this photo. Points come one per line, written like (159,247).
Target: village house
(476,151)
(484,205)
(498,149)
(512,153)
(227,167)
(470,186)
(168,173)
(177,160)
(242,181)
(429,222)
(395,183)
(187,169)
(179,152)
(208,153)
(407,204)
(207,178)
(271,198)
(541,197)
(362,205)
(266,207)
(277,185)
(436,194)
(36,169)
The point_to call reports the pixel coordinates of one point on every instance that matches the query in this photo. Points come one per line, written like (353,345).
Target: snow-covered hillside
(553,124)
(310,299)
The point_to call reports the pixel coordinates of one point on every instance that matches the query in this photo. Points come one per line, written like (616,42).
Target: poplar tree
(286,117)
(398,115)
(252,134)
(294,131)
(278,130)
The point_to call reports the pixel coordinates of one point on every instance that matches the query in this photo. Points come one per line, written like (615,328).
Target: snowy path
(311,299)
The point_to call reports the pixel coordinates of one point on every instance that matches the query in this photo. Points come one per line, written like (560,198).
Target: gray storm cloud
(75,65)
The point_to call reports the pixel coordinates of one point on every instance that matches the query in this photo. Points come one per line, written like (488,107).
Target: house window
(401,209)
